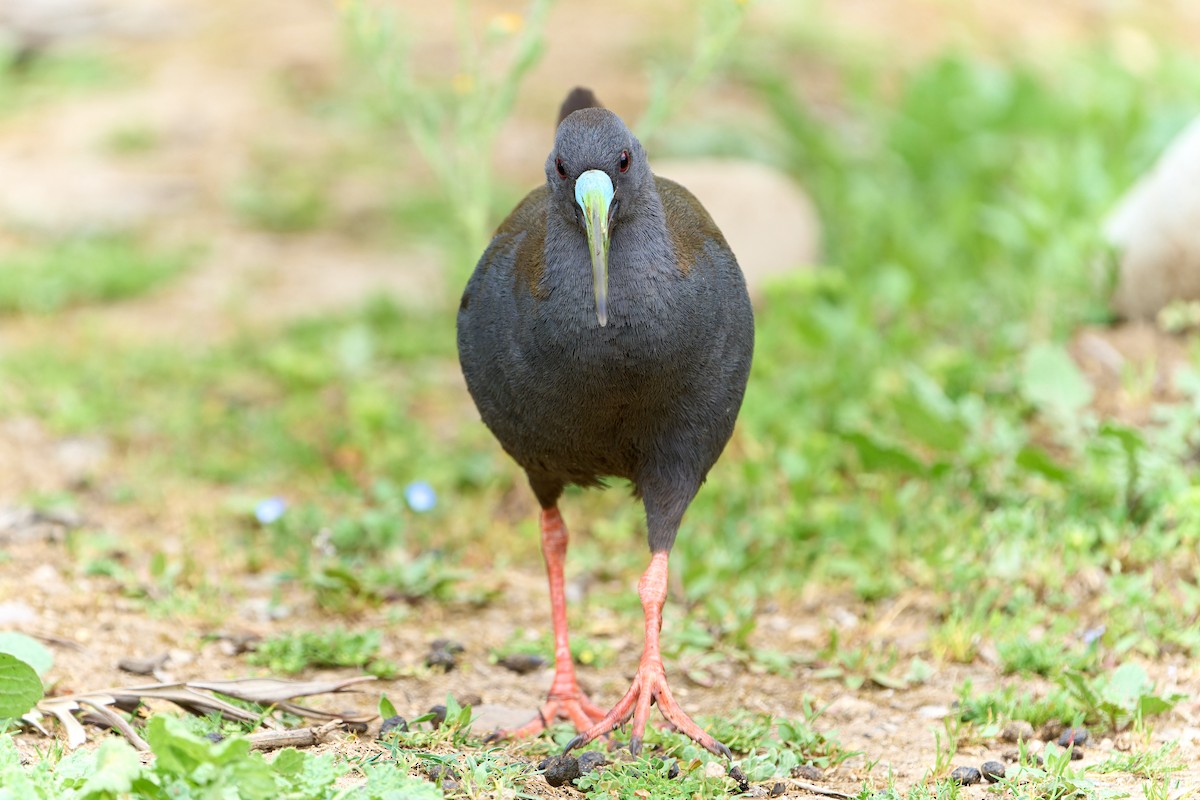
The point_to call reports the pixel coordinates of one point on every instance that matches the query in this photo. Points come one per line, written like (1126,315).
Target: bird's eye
(562,170)
(623,161)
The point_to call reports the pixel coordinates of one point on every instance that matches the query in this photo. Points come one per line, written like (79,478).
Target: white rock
(1155,229)
(767,219)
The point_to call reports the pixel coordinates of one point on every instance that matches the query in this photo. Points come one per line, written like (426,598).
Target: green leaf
(386,709)
(181,755)
(1034,459)
(116,768)
(28,649)
(1051,381)
(880,456)
(1127,685)
(20,687)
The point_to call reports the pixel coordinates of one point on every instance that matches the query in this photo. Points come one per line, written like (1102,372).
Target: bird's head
(597,173)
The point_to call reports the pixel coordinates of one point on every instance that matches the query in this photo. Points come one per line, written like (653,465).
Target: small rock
(142,666)
(752,791)
(807,772)
(673,769)
(992,770)
(441,772)
(714,769)
(352,725)
(522,663)
(439,716)
(1153,228)
(966,776)
(591,760)
(1018,730)
(1076,753)
(397,723)
(214,737)
(449,645)
(235,644)
(1073,736)
(469,699)
(933,712)
(441,659)
(1051,730)
(778,790)
(739,776)
(559,770)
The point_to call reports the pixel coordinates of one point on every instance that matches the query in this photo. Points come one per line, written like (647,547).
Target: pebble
(1051,730)
(142,666)
(397,723)
(1018,730)
(992,770)
(522,663)
(673,770)
(966,776)
(714,769)
(591,760)
(778,790)
(441,772)
(441,659)
(1073,736)
(443,654)
(739,776)
(559,770)
(439,716)
(352,726)
(214,737)
(807,772)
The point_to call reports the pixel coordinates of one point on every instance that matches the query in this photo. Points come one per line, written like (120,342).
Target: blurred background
(233,237)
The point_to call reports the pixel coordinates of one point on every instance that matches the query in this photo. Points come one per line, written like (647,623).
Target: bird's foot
(649,686)
(565,701)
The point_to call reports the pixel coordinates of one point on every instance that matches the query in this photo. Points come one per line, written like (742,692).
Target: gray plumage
(653,395)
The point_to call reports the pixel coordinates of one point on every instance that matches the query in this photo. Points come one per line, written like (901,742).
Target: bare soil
(210,76)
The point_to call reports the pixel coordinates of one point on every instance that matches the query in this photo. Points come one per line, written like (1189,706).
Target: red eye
(562,170)
(623,161)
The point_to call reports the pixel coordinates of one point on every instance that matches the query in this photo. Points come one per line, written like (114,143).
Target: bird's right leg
(566,700)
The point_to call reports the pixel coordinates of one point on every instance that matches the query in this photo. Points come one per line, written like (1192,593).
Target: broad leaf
(20,687)
(28,649)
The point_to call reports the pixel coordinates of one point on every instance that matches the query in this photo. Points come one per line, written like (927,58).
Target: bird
(606,333)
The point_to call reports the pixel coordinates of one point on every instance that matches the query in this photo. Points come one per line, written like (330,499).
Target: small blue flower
(420,496)
(269,510)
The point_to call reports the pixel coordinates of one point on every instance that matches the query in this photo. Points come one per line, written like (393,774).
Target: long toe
(649,686)
(571,706)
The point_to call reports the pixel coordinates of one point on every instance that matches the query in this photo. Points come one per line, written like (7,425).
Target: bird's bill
(594,194)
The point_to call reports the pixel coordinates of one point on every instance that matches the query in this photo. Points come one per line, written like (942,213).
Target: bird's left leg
(566,699)
(650,683)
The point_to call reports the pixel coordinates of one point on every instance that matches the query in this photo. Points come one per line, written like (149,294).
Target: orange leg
(650,683)
(565,700)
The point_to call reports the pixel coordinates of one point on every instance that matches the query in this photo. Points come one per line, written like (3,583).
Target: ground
(217,88)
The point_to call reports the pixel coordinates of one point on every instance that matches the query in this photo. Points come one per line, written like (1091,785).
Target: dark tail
(577,99)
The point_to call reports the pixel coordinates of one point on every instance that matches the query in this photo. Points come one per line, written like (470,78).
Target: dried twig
(199,698)
(821,790)
(297,737)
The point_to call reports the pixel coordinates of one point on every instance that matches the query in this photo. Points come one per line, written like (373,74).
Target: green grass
(92,269)
(336,647)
